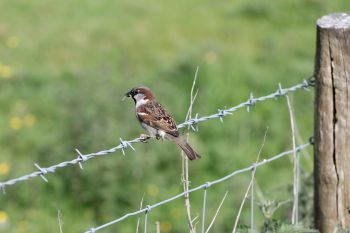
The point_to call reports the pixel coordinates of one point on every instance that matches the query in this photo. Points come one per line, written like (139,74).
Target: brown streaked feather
(154,115)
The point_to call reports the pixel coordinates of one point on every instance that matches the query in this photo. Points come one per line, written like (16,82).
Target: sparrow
(157,121)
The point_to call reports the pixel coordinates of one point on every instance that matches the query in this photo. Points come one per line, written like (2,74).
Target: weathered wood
(332,123)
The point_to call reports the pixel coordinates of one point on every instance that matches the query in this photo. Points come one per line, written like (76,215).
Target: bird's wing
(154,115)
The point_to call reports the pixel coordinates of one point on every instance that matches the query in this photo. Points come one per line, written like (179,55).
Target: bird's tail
(187,149)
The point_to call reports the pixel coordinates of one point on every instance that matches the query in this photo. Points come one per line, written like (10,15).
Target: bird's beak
(128,94)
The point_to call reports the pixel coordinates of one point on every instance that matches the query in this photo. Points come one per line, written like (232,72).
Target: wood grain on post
(332,124)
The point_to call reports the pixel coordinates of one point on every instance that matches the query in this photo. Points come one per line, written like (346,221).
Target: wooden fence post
(332,124)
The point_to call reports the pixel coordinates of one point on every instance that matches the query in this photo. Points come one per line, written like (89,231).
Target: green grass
(73,62)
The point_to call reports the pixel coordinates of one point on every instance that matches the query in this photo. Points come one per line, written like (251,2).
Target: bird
(157,121)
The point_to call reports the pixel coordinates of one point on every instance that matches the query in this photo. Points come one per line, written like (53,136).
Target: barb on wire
(43,171)
(126,144)
(203,186)
(251,102)
(82,158)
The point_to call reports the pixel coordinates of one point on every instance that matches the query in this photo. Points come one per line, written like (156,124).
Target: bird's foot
(159,136)
(144,138)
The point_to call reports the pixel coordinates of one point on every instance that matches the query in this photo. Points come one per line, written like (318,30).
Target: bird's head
(140,93)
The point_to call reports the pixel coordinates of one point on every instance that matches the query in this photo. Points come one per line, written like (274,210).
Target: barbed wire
(249,103)
(192,123)
(204,186)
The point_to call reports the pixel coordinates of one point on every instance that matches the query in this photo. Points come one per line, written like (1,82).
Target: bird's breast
(150,130)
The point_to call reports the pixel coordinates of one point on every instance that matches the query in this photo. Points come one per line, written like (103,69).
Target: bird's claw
(144,138)
(159,137)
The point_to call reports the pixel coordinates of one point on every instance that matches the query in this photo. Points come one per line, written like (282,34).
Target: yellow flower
(12,42)
(152,190)
(4,168)
(16,123)
(3,217)
(29,119)
(5,71)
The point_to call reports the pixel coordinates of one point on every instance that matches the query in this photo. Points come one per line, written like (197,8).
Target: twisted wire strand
(126,144)
(203,186)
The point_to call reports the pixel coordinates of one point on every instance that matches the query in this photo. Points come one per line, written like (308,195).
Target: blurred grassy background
(64,67)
